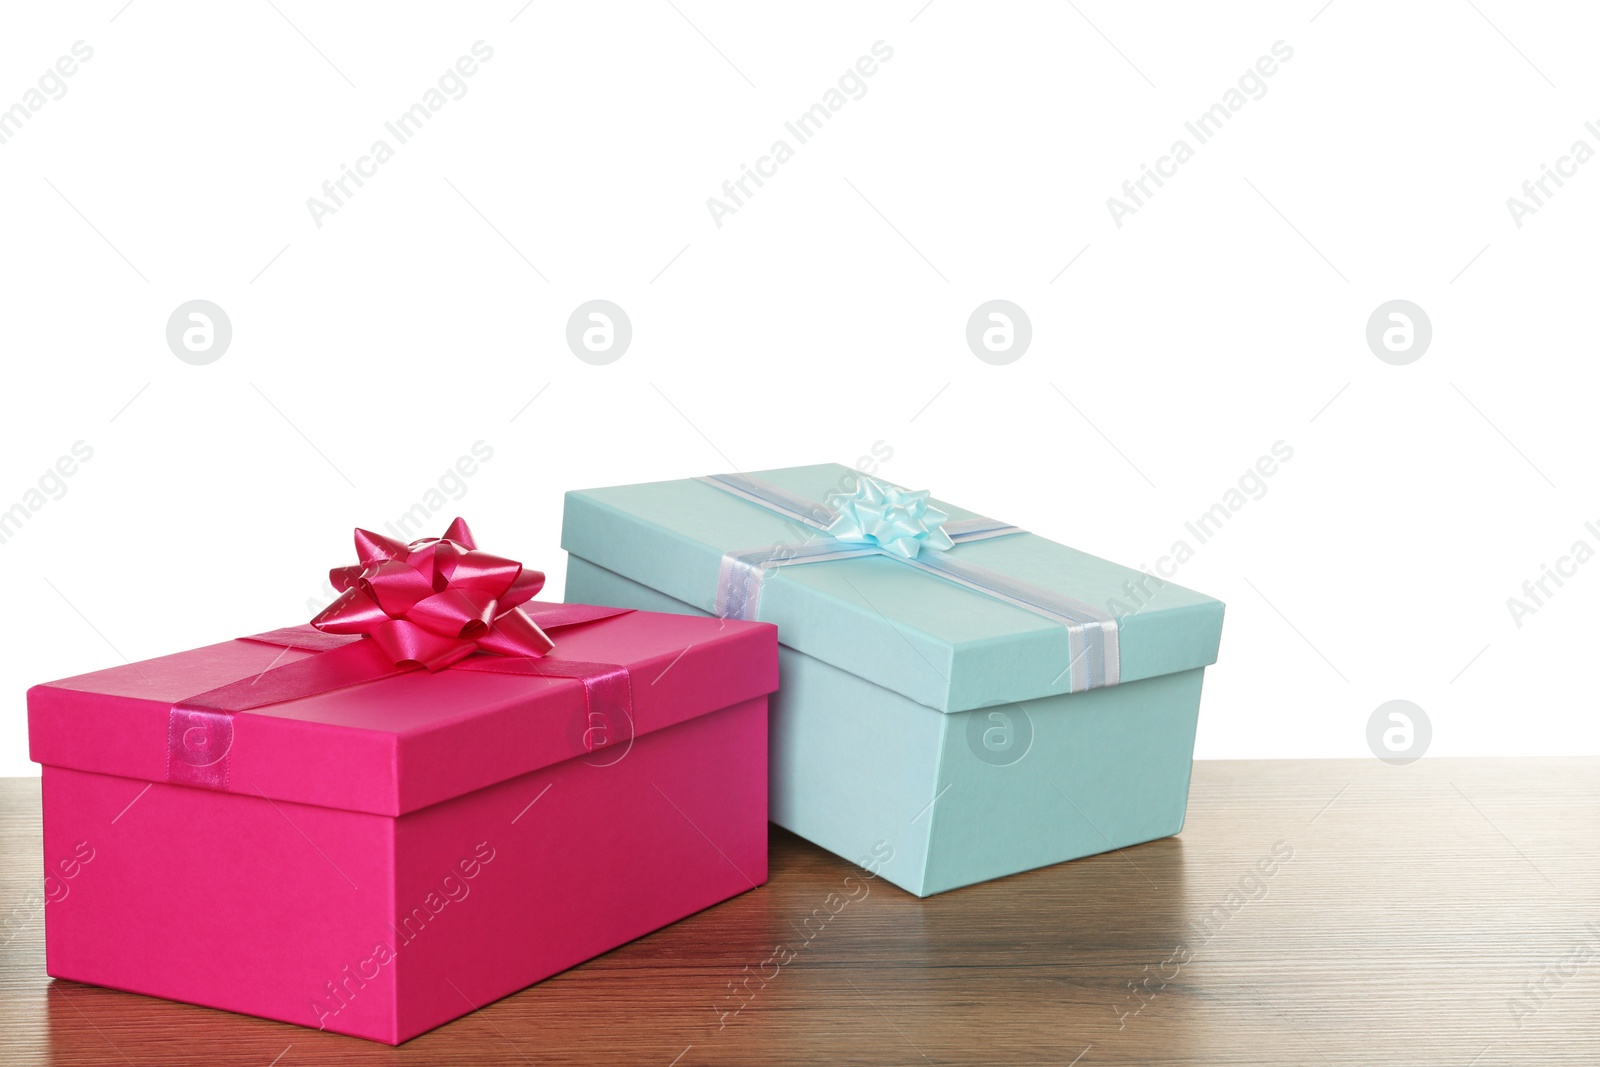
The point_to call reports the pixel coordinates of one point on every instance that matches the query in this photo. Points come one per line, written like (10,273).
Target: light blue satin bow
(897,521)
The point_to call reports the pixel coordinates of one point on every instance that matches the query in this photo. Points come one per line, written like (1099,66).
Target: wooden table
(1447,912)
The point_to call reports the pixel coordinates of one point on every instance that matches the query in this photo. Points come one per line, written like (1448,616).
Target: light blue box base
(960,797)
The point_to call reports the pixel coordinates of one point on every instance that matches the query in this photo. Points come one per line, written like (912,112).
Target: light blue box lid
(941,644)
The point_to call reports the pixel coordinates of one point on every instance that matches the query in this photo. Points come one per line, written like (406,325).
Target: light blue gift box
(969,728)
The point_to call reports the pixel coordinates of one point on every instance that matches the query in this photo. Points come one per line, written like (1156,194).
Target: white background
(828,314)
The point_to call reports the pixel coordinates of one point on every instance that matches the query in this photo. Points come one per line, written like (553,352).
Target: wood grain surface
(1315,912)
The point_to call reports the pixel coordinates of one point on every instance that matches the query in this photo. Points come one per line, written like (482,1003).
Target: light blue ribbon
(880,519)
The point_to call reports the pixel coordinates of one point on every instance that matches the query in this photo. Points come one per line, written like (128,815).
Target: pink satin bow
(435,601)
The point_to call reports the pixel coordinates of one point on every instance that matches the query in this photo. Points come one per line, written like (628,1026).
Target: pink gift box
(392,855)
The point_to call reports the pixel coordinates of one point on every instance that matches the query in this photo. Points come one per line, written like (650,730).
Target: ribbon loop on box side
(878,519)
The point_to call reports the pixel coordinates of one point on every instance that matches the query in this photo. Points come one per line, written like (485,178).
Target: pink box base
(384,927)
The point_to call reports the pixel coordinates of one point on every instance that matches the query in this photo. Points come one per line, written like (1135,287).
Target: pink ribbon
(436,603)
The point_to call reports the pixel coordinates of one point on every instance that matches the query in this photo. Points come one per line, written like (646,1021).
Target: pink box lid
(403,743)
